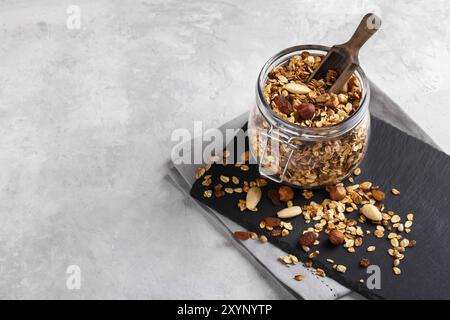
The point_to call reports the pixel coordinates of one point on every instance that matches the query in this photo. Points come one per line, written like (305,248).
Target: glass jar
(306,157)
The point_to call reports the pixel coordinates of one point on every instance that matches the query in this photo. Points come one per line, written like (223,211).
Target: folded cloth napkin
(312,287)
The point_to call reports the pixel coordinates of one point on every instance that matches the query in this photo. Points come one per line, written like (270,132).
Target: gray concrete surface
(86,117)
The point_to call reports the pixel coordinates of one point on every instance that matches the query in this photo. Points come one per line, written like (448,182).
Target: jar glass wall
(306,157)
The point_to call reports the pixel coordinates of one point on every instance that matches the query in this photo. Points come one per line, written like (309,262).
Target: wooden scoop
(344,57)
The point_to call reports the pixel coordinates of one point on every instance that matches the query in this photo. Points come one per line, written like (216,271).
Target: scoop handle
(369,24)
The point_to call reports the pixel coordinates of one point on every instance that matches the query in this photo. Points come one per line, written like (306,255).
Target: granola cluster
(309,105)
(314,162)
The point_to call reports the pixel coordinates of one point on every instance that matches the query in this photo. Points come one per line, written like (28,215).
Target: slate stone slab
(394,159)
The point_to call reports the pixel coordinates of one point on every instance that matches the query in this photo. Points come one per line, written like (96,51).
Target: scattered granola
(328,217)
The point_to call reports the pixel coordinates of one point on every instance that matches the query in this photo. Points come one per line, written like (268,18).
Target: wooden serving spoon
(344,57)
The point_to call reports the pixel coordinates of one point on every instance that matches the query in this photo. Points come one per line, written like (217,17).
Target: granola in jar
(300,133)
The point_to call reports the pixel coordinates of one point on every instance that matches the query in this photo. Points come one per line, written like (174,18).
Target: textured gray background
(86,117)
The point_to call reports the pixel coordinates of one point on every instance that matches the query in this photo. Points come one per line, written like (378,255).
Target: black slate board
(394,159)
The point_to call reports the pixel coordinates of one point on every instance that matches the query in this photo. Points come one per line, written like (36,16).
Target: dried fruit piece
(307,239)
(272,222)
(275,232)
(289,212)
(274,197)
(412,244)
(337,193)
(261,182)
(336,237)
(286,193)
(299,277)
(242,235)
(253,198)
(283,105)
(378,195)
(364,263)
(371,212)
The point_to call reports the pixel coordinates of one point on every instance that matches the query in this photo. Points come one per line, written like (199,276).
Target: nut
(307,239)
(274,197)
(371,249)
(397,270)
(286,193)
(289,212)
(364,263)
(395,192)
(371,212)
(296,88)
(336,237)
(253,198)
(306,111)
(337,193)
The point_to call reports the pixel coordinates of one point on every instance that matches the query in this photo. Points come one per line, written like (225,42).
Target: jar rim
(340,128)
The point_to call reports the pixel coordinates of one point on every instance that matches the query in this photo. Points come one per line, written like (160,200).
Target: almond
(293,87)
(253,198)
(371,212)
(289,212)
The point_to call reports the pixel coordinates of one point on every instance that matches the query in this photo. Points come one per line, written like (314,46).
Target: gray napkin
(265,257)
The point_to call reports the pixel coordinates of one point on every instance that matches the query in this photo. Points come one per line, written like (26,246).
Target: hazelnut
(364,263)
(307,239)
(337,193)
(305,111)
(283,104)
(336,237)
(286,193)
